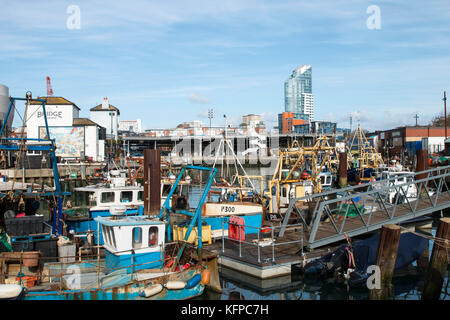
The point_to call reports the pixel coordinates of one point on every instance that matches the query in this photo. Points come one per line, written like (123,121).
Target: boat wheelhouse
(132,240)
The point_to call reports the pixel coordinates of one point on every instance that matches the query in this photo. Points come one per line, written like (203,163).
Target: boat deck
(274,260)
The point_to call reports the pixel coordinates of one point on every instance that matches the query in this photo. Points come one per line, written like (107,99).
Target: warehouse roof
(55,101)
(84,122)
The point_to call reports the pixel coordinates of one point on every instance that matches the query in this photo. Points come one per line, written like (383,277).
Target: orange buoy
(205,276)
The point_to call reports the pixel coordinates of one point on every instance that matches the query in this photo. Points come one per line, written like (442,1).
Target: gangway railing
(270,234)
(363,208)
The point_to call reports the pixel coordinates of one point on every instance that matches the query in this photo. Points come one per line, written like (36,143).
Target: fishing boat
(300,171)
(100,200)
(138,264)
(215,214)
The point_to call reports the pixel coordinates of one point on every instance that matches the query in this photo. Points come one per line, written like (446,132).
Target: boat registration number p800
(227,209)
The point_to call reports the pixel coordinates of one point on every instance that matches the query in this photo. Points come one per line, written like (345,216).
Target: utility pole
(445,122)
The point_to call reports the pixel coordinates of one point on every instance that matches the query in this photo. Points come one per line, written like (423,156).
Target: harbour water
(407,285)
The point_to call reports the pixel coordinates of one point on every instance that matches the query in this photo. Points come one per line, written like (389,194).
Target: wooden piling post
(438,262)
(422,163)
(386,256)
(152,181)
(342,169)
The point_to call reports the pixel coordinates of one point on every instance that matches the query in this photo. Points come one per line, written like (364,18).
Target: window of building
(137,238)
(107,197)
(126,196)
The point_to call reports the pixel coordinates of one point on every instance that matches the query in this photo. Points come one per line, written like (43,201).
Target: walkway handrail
(378,193)
(273,238)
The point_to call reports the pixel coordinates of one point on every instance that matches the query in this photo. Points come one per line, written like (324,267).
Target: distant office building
(302,128)
(323,127)
(251,119)
(341,133)
(317,127)
(287,121)
(252,122)
(298,97)
(107,116)
(131,126)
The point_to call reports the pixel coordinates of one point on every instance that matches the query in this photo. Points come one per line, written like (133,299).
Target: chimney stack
(105,103)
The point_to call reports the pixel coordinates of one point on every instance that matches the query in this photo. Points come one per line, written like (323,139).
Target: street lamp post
(210,116)
(112,148)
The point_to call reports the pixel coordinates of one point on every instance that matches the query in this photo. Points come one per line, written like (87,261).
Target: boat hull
(214,209)
(129,291)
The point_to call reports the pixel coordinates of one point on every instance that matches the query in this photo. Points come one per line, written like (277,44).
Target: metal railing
(423,193)
(275,241)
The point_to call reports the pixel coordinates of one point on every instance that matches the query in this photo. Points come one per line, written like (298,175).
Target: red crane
(49,87)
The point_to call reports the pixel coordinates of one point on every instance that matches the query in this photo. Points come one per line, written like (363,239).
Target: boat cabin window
(105,234)
(107,197)
(283,192)
(153,236)
(92,200)
(126,196)
(166,189)
(140,196)
(328,180)
(400,180)
(108,236)
(322,179)
(84,199)
(137,238)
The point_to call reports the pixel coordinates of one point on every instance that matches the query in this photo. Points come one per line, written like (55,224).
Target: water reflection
(406,287)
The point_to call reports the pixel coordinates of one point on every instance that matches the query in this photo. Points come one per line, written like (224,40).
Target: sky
(167,62)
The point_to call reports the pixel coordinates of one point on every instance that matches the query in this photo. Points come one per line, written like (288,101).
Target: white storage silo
(4,105)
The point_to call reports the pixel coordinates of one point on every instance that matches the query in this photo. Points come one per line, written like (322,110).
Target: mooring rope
(441,242)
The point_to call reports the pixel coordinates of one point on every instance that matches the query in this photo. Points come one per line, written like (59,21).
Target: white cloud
(197,98)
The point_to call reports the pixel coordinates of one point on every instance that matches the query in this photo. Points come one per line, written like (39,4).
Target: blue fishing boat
(215,215)
(138,264)
(104,200)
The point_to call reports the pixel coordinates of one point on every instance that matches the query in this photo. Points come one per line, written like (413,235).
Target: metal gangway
(355,210)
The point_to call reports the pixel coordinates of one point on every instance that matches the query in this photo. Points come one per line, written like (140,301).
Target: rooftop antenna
(49,87)
(416,117)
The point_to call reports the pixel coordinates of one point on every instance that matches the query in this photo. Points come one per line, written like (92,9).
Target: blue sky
(169,61)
